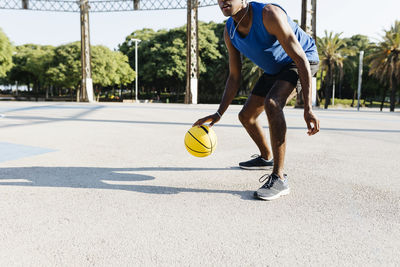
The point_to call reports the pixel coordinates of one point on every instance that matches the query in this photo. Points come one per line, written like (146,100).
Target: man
(267,36)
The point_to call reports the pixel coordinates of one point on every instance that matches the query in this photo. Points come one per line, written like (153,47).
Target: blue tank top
(263,48)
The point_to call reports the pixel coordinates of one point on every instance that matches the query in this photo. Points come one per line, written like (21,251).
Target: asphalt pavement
(113,185)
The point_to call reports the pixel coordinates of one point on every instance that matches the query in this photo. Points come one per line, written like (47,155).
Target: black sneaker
(257,163)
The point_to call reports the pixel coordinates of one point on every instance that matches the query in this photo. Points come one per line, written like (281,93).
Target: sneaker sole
(282,193)
(256,168)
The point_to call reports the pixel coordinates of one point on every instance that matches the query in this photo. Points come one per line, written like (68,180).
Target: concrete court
(112,185)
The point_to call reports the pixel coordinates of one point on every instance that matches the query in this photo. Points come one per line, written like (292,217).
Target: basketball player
(266,35)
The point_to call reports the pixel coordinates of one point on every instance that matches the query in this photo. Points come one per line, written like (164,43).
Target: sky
(367,17)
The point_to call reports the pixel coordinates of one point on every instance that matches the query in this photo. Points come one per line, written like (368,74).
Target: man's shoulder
(272,12)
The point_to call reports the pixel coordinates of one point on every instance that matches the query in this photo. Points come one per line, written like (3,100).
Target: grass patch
(339,103)
(346,103)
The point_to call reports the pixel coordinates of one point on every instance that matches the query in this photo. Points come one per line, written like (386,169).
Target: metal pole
(192,52)
(86,92)
(314,20)
(189,40)
(303,23)
(25,4)
(333,90)
(137,72)
(309,17)
(136,4)
(360,71)
(308,24)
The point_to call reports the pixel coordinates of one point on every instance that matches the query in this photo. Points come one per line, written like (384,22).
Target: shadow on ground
(105,178)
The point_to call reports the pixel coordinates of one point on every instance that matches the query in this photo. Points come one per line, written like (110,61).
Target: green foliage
(251,73)
(330,48)
(240,100)
(162,60)
(332,52)
(162,65)
(347,103)
(65,71)
(349,84)
(31,63)
(6,50)
(385,61)
(60,67)
(110,67)
(128,47)
(214,63)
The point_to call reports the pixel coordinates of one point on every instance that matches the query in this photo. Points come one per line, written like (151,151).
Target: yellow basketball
(200,141)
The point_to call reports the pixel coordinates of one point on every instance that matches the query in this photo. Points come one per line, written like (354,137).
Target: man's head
(231,7)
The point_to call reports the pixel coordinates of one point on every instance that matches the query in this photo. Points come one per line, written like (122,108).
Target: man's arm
(232,84)
(276,23)
(235,74)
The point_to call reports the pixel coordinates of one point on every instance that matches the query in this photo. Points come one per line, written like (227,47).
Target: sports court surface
(112,184)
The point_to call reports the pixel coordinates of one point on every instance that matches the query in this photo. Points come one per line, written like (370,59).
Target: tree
(6,50)
(20,72)
(110,67)
(385,64)
(31,63)
(332,52)
(128,47)
(38,64)
(162,59)
(65,70)
(348,87)
(251,73)
(213,59)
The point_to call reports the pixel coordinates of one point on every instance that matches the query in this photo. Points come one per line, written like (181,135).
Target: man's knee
(245,117)
(272,105)
(274,108)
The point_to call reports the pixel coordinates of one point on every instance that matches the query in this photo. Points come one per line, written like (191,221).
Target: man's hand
(214,118)
(310,118)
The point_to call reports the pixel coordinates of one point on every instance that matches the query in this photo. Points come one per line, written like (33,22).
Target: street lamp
(360,72)
(136,66)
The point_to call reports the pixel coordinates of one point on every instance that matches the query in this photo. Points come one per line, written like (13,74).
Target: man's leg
(248,117)
(274,104)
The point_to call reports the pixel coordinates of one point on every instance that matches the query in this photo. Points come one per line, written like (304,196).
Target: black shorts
(288,73)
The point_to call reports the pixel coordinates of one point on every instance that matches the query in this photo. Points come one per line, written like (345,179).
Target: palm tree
(332,52)
(356,43)
(385,64)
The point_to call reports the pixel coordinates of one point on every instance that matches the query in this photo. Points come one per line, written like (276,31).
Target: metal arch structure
(101,5)
(84,6)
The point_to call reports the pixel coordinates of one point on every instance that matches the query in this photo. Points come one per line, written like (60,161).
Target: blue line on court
(9,151)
